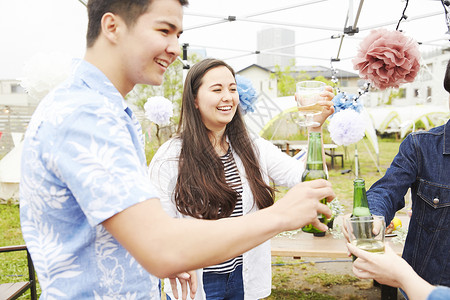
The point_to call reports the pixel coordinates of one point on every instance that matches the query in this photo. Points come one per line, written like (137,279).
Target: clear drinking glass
(307,95)
(367,233)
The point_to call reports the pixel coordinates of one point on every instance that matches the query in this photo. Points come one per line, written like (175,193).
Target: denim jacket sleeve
(439,293)
(386,196)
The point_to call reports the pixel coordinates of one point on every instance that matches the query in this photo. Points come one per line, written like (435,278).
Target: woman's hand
(185,279)
(328,106)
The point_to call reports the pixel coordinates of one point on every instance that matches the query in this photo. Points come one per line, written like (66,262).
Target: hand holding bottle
(301,204)
(315,170)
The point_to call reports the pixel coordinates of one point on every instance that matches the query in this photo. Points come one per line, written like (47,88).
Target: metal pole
(185,61)
(356,161)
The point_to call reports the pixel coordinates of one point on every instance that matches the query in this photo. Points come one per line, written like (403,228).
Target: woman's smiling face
(217,98)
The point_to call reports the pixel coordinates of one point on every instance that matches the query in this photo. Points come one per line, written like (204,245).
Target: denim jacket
(422,164)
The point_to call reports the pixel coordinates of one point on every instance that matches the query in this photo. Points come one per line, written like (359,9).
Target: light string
(446,3)
(346,97)
(403,17)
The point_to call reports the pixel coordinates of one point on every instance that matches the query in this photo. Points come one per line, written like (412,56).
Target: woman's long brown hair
(201,190)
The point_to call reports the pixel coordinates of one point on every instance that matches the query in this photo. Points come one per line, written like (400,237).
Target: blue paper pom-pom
(247,94)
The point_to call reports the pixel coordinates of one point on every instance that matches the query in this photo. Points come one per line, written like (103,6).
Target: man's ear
(111,26)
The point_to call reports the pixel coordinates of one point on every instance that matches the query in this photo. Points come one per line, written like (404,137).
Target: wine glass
(307,94)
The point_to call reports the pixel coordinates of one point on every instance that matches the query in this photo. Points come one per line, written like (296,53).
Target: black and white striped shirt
(234,180)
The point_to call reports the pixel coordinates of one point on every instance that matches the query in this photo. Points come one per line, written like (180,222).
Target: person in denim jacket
(422,164)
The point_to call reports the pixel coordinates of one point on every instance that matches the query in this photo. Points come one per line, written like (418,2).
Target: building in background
(262,82)
(16,108)
(261,79)
(275,40)
(428,85)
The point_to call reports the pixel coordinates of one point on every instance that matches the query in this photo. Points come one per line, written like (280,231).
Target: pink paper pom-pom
(387,59)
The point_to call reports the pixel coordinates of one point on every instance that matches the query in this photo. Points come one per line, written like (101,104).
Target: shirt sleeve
(96,156)
(439,293)
(283,169)
(386,196)
(163,173)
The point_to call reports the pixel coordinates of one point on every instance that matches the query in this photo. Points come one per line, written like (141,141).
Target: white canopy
(10,173)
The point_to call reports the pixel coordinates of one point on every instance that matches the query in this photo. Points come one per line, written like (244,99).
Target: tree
(172,89)
(326,81)
(286,79)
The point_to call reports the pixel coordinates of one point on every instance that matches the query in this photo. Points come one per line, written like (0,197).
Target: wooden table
(307,245)
(330,151)
(292,147)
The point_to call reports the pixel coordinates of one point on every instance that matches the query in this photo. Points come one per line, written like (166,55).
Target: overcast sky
(28,27)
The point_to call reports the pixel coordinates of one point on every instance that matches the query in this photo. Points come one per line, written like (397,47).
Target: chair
(11,291)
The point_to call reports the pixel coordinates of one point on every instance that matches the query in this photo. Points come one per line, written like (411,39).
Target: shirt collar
(96,80)
(447,138)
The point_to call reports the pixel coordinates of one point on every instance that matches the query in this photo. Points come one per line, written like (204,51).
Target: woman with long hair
(215,169)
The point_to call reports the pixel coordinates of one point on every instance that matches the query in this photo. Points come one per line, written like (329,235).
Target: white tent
(10,174)
(325,30)
(268,110)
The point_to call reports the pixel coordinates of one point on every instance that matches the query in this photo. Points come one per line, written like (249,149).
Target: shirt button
(436,200)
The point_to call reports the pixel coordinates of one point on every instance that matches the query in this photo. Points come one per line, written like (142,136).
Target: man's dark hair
(447,78)
(129,11)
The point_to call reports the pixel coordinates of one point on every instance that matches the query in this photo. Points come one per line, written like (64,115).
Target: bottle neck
(314,160)
(360,204)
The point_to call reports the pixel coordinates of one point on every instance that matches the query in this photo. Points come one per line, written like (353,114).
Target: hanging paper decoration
(387,59)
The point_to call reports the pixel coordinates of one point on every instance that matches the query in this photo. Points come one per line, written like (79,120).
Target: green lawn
(14,266)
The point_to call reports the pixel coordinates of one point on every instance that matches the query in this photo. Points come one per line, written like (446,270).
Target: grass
(10,233)
(289,294)
(326,279)
(14,266)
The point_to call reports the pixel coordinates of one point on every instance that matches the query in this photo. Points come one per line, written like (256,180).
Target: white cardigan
(279,167)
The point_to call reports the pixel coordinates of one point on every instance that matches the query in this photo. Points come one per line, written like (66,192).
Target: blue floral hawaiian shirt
(83,161)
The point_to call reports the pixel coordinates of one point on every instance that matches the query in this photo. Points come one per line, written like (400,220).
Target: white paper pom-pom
(346,127)
(159,110)
(44,71)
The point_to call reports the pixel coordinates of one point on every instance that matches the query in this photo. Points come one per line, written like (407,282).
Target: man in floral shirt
(90,217)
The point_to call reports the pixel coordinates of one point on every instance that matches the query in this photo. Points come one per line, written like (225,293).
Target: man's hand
(301,204)
(185,279)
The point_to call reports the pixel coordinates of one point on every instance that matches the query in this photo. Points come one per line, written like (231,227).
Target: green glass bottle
(361,211)
(360,204)
(314,170)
